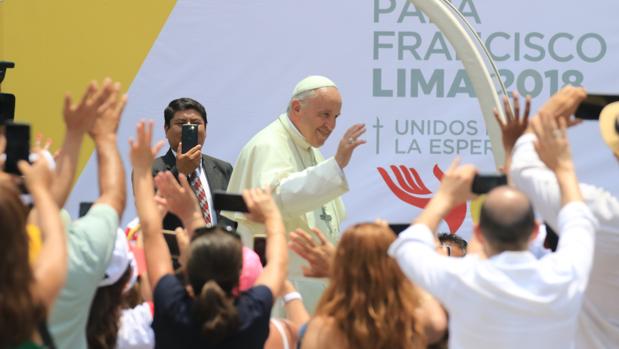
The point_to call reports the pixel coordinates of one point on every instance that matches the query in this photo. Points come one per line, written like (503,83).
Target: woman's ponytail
(215,311)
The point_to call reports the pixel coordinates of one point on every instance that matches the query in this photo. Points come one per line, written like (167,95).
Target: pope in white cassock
(306,187)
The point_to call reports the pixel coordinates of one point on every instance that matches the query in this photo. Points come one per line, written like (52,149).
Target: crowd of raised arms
(184,274)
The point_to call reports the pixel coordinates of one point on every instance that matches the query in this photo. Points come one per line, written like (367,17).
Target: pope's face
(174,130)
(315,116)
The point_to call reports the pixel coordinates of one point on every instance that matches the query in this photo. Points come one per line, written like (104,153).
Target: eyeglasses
(447,249)
(212,228)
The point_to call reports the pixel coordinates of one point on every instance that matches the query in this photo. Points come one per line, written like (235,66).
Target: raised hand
(108,113)
(319,256)
(456,183)
(564,103)
(348,143)
(142,155)
(180,198)
(188,162)
(261,205)
(515,124)
(552,145)
(38,176)
(80,117)
(40,146)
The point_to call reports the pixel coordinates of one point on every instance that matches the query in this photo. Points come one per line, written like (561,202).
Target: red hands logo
(410,185)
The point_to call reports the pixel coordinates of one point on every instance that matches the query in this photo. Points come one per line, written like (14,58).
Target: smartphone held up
(17,146)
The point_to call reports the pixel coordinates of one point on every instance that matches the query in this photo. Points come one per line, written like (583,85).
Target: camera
(7,100)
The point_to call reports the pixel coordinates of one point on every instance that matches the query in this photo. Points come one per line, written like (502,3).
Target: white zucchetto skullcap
(312,82)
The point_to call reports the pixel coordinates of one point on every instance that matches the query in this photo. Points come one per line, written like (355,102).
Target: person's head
(314,107)
(213,269)
(368,296)
(453,245)
(20,312)
(183,111)
(106,307)
(506,222)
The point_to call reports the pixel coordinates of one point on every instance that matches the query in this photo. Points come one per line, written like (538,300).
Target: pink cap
(252,268)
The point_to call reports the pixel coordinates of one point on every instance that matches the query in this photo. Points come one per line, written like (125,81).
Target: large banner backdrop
(397,74)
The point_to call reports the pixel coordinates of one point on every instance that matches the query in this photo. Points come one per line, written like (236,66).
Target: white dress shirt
(207,189)
(512,300)
(599,320)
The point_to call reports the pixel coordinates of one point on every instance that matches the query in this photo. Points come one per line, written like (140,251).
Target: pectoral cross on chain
(327,219)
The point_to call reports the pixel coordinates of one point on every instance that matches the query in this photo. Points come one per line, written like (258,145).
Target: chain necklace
(324,216)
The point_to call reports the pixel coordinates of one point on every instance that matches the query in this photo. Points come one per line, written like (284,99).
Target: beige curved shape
(474,65)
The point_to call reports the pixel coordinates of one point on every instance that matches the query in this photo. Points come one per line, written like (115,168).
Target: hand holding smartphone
(591,107)
(189,137)
(484,183)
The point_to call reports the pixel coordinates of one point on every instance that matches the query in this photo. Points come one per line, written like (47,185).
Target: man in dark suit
(205,173)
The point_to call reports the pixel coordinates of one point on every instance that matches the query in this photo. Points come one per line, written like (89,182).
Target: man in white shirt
(205,173)
(598,325)
(511,299)
(306,187)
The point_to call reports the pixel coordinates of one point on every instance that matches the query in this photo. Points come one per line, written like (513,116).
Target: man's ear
(295,106)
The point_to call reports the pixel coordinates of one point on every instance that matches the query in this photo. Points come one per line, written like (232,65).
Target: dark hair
(455,239)
(213,270)
(20,313)
(507,232)
(105,311)
(182,104)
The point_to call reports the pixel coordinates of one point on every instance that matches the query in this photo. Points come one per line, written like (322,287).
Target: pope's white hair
(301,97)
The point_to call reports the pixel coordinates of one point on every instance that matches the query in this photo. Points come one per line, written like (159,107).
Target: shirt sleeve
(575,250)
(529,174)
(168,297)
(93,237)
(255,306)
(415,252)
(303,191)
(538,182)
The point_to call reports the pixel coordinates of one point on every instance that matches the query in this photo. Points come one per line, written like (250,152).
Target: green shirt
(90,243)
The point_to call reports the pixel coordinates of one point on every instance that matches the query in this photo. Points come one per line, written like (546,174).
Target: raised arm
(50,269)
(553,149)
(78,119)
(262,209)
(415,248)
(513,126)
(575,220)
(158,259)
(528,172)
(112,186)
(455,189)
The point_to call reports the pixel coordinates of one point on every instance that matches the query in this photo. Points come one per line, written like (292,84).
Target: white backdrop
(395,71)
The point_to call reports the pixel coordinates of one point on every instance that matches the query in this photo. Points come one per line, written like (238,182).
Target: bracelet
(290,296)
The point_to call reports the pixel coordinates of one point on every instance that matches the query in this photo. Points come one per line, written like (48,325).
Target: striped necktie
(196,186)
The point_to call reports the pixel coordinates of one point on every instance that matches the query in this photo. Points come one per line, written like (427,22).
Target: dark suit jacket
(217,174)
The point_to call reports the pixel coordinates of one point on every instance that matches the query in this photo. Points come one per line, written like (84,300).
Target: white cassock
(306,187)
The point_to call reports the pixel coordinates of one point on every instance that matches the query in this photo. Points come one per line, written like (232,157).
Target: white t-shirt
(135,328)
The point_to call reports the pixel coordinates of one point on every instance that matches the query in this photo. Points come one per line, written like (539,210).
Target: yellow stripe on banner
(61,45)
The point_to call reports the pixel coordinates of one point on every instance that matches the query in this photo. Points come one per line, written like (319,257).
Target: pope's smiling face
(315,115)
